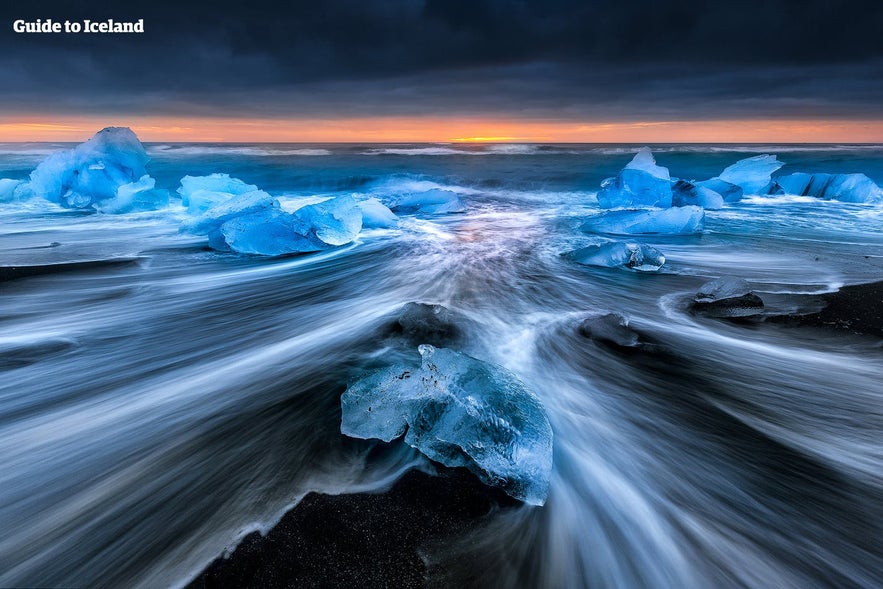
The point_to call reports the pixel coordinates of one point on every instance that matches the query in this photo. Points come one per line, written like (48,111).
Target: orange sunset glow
(444,129)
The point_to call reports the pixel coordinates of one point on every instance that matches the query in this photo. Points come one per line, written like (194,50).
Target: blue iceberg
(200,193)
(688,193)
(254,223)
(7,189)
(636,256)
(640,183)
(856,188)
(461,412)
(436,201)
(92,173)
(730,192)
(674,221)
(376,215)
(753,174)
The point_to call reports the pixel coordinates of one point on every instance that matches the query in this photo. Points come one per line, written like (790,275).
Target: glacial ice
(376,215)
(636,256)
(254,223)
(610,328)
(753,174)
(727,297)
(640,183)
(461,412)
(674,221)
(436,201)
(7,189)
(856,188)
(729,192)
(91,174)
(688,193)
(200,193)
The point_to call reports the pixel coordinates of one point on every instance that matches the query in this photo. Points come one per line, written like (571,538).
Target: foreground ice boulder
(674,221)
(687,193)
(856,188)
(636,256)
(254,223)
(376,215)
(92,173)
(431,202)
(461,412)
(640,183)
(753,174)
(727,297)
(200,193)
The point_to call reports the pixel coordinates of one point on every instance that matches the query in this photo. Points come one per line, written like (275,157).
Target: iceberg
(640,183)
(636,256)
(753,174)
(727,297)
(375,215)
(856,188)
(461,412)
(7,189)
(729,192)
(431,202)
(687,193)
(610,328)
(674,221)
(254,223)
(91,174)
(200,193)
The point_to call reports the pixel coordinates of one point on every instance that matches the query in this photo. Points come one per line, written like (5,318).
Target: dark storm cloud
(604,59)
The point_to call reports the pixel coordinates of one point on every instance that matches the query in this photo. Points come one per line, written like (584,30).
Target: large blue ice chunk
(200,193)
(254,223)
(436,201)
(461,412)
(685,193)
(375,214)
(674,221)
(637,256)
(141,195)
(7,189)
(753,174)
(856,188)
(91,173)
(640,183)
(730,192)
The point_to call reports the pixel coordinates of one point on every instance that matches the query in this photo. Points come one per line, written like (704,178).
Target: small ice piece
(674,221)
(431,202)
(461,412)
(90,172)
(254,223)
(727,297)
(640,183)
(375,215)
(688,193)
(753,174)
(428,323)
(136,196)
(729,192)
(7,189)
(856,188)
(636,256)
(610,328)
(200,193)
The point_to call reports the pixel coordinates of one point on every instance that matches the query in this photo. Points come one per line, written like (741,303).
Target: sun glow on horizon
(442,130)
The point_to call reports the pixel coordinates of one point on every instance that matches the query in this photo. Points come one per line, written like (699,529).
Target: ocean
(160,400)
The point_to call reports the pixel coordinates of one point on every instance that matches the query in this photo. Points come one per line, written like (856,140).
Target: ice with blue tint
(686,193)
(730,192)
(141,195)
(673,221)
(7,189)
(90,174)
(436,201)
(461,412)
(254,223)
(753,174)
(200,193)
(640,183)
(376,215)
(637,256)
(856,188)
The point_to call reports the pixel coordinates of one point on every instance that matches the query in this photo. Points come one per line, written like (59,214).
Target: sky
(450,70)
